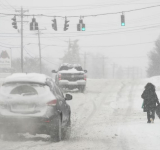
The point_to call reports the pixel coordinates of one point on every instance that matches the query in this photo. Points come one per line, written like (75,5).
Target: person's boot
(152,121)
(148,121)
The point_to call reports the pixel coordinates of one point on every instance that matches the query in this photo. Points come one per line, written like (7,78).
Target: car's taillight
(85,77)
(52,103)
(47,121)
(59,77)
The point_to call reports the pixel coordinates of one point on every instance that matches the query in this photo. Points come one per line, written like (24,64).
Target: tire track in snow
(124,143)
(119,95)
(130,98)
(94,110)
(109,91)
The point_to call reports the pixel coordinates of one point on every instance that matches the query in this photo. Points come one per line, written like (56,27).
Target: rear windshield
(24,89)
(78,68)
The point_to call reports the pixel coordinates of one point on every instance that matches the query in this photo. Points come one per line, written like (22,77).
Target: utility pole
(39,44)
(22,39)
(21,14)
(40,63)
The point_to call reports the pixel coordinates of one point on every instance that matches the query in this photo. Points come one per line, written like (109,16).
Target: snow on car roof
(73,70)
(26,77)
(67,64)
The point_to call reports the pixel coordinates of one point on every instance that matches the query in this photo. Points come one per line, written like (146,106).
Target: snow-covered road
(108,116)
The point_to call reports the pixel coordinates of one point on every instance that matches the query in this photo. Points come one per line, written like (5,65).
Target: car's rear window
(78,68)
(63,68)
(24,89)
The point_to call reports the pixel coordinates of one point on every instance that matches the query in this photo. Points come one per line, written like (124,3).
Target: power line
(78,35)
(118,29)
(105,13)
(9,4)
(48,61)
(89,5)
(41,57)
(28,53)
(94,15)
(120,45)
(9,47)
(93,4)
(101,45)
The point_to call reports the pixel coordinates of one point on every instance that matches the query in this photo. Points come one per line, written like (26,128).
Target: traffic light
(66,25)
(81,26)
(80,21)
(78,27)
(14,23)
(33,24)
(54,24)
(122,20)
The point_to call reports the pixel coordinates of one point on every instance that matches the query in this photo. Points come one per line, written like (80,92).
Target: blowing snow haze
(116,45)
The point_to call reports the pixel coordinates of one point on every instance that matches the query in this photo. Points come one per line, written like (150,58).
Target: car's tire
(82,88)
(56,129)
(67,131)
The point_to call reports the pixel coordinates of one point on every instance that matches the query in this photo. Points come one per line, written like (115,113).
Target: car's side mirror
(54,71)
(85,71)
(68,97)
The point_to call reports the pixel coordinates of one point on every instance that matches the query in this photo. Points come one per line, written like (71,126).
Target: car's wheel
(67,131)
(82,88)
(56,129)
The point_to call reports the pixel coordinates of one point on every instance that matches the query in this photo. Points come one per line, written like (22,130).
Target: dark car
(33,103)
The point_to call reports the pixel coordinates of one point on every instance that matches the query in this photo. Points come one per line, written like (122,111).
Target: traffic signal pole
(40,63)
(22,39)
(21,14)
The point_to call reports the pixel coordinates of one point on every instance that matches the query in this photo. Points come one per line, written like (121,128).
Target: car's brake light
(52,103)
(59,76)
(47,121)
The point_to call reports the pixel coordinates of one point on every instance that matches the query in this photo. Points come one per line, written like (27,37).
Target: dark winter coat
(150,97)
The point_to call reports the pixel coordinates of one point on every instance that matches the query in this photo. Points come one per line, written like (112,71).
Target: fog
(104,34)
(118,62)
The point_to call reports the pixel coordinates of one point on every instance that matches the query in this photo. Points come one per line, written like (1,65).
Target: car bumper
(66,82)
(33,125)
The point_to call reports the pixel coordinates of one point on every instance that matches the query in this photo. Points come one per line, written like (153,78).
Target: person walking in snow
(150,100)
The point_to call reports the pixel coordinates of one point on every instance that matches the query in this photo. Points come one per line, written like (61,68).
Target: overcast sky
(104,34)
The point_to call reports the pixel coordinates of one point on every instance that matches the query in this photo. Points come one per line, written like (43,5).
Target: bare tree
(72,55)
(154,64)
(30,65)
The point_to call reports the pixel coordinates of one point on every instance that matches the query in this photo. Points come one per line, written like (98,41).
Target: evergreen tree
(154,64)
